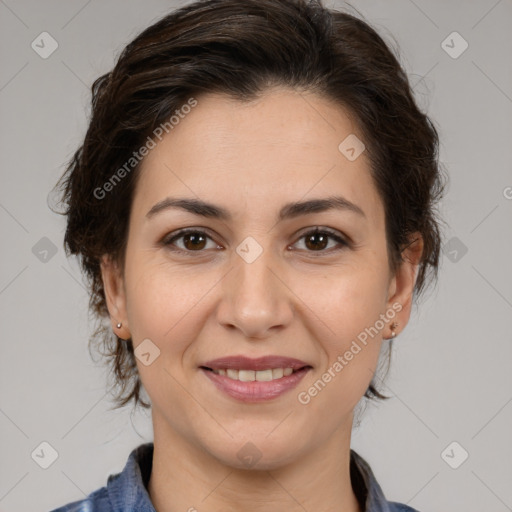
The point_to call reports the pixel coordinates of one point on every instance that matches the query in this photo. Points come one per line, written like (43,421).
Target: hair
(242,48)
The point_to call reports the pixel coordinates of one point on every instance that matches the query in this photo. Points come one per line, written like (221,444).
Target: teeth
(252,375)
(246,375)
(277,373)
(232,374)
(263,375)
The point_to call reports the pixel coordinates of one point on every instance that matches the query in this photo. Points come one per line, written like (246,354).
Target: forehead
(281,147)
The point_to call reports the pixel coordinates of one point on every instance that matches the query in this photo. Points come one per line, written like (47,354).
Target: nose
(255,299)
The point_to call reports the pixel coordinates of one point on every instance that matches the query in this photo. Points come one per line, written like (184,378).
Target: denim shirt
(127,491)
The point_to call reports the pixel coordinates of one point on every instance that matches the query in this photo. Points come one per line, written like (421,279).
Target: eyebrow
(288,211)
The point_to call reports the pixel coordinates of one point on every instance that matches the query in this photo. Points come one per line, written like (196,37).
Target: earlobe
(401,289)
(113,286)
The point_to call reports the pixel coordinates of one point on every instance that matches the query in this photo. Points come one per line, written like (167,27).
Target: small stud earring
(119,325)
(394,325)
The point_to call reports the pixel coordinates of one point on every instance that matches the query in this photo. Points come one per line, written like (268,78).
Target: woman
(253,204)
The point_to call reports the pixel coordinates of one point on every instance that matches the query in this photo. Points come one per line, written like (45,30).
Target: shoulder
(97,501)
(367,489)
(400,507)
(124,491)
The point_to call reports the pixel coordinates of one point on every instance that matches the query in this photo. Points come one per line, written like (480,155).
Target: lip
(255,391)
(259,363)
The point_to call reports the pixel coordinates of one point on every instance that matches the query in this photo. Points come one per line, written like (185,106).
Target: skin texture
(308,301)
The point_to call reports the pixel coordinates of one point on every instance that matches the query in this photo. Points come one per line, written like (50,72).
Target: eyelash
(168,242)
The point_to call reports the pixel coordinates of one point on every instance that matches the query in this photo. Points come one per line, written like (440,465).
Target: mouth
(265,375)
(255,380)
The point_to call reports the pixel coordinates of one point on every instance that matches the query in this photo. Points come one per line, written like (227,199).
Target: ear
(401,286)
(113,284)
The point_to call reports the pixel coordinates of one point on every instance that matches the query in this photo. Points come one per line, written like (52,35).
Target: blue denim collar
(127,491)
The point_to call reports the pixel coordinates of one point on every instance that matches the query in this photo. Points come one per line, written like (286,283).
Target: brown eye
(318,240)
(192,240)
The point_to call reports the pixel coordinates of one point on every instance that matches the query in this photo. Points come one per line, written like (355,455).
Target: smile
(254,375)
(255,385)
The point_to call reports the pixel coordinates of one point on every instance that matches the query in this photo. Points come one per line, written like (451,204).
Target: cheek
(350,352)
(163,301)
(353,299)
(162,306)
(350,305)
(149,299)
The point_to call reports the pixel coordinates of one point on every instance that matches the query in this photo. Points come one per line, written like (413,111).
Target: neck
(187,478)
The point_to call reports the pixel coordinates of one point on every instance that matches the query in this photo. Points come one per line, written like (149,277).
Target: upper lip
(260,363)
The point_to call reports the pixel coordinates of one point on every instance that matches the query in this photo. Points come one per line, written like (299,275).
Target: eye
(316,240)
(195,240)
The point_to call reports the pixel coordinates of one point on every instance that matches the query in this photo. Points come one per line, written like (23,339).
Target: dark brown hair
(240,48)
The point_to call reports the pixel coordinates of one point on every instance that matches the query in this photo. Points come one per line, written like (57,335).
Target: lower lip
(255,391)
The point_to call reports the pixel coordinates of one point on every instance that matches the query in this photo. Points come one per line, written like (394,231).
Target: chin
(256,453)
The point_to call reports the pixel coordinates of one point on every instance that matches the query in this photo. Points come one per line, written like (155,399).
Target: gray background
(451,377)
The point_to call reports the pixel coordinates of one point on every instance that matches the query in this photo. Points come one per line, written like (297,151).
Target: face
(257,281)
